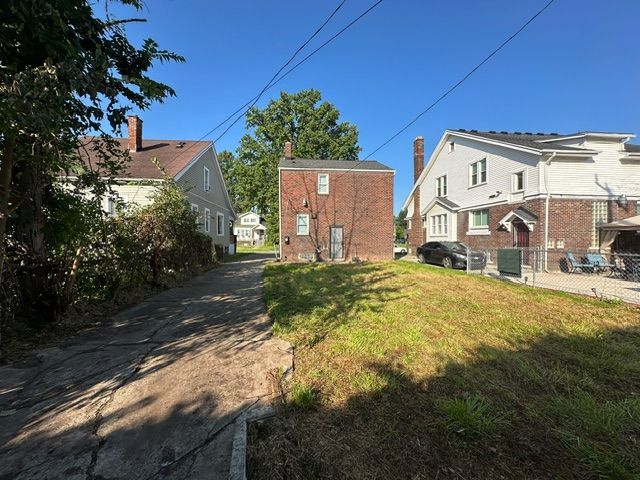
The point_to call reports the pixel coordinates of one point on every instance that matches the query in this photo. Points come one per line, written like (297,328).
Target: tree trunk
(66,296)
(6,168)
(37,280)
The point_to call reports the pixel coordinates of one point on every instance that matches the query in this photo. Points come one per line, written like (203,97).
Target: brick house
(335,210)
(500,189)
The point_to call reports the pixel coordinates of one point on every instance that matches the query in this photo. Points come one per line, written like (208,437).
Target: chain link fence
(607,276)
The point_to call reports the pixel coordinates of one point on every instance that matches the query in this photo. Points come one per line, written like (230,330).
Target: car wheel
(403,252)
(421,258)
(447,262)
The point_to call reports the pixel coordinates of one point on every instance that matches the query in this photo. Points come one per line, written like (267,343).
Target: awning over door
(527,217)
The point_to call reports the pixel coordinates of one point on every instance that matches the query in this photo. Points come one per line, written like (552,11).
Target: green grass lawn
(411,371)
(262,249)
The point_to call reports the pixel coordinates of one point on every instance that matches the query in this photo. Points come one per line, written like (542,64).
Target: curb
(261,410)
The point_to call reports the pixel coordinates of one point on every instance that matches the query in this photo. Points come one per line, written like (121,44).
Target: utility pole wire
(271,81)
(349,25)
(461,81)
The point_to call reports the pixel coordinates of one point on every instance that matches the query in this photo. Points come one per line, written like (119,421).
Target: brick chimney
(135,133)
(418,157)
(416,233)
(288,150)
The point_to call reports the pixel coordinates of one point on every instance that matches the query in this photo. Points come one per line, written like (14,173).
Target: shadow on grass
(326,296)
(557,407)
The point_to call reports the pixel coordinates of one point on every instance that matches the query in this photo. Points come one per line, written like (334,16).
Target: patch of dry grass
(419,372)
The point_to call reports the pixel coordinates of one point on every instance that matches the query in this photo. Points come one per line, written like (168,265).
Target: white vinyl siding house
(249,229)
(487,170)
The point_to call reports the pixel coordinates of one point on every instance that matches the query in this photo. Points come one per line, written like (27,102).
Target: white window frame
(195,208)
(478,174)
(472,216)
(298,217)
(206,181)
(441,187)
(439,225)
(514,181)
(207,220)
(325,175)
(452,146)
(219,231)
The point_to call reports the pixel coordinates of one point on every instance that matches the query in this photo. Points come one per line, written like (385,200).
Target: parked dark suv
(450,255)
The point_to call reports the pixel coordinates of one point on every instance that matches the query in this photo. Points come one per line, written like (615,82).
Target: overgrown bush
(94,257)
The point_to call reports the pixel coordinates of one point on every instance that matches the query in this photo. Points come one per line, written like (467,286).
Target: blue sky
(577,67)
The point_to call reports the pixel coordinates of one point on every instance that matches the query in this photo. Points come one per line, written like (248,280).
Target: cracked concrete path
(152,395)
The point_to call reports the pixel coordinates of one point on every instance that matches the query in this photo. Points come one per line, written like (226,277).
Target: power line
(286,64)
(349,25)
(462,80)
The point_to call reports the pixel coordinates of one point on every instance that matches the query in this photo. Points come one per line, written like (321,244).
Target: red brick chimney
(288,150)
(135,133)
(416,233)
(418,157)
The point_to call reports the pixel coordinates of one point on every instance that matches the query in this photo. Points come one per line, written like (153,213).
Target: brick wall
(570,226)
(359,201)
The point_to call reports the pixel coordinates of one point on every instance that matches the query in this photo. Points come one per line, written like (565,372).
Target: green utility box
(510,261)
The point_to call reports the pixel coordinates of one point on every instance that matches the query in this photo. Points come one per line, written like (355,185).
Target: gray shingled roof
(447,202)
(529,140)
(631,147)
(525,214)
(316,164)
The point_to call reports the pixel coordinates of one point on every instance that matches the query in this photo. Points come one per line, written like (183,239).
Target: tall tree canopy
(311,125)
(65,72)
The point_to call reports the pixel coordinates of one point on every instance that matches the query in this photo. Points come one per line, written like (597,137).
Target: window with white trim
(518,181)
(439,224)
(323,183)
(478,172)
(219,223)
(207,220)
(600,216)
(302,224)
(479,218)
(441,186)
(206,184)
(195,208)
(452,146)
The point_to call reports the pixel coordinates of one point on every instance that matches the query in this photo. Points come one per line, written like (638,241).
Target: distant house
(249,229)
(335,210)
(497,189)
(194,165)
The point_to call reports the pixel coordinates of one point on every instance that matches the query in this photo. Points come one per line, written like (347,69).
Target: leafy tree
(64,73)
(231,172)
(400,221)
(315,131)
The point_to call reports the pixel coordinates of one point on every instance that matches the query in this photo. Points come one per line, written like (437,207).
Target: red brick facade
(415,234)
(359,201)
(570,224)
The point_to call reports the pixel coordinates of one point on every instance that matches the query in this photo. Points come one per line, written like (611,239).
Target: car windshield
(455,245)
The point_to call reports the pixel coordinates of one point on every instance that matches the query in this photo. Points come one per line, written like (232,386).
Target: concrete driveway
(153,395)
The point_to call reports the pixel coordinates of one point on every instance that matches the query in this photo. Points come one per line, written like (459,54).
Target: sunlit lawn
(256,249)
(410,371)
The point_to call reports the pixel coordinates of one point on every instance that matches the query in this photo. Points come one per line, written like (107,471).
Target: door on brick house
(521,239)
(336,243)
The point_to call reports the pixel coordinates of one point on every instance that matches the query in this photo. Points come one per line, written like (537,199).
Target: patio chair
(600,263)
(631,267)
(575,265)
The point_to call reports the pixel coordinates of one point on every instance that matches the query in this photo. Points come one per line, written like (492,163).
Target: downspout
(546,212)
